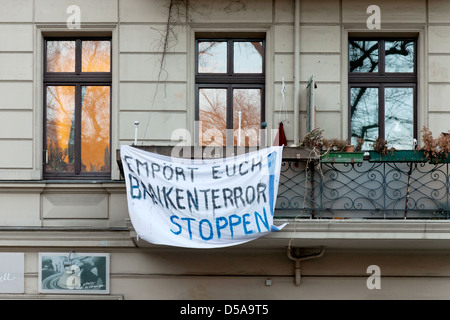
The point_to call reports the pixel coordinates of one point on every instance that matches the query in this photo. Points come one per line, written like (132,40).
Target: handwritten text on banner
(201,203)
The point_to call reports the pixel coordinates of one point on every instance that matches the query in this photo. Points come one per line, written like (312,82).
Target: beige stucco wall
(164,104)
(241,275)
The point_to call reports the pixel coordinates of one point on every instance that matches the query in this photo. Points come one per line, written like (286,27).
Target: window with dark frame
(77,108)
(382,79)
(230,82)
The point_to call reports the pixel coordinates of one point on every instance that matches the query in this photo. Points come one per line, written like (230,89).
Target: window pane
(96,56)
(60,128)
(248,57)
(95,128)
(212,116)
(60,56)
(248,102)
(399,56)
(363,56)
(212,57)
(399,117)
(364,115)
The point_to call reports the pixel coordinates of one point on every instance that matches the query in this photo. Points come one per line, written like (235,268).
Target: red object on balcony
(280,139)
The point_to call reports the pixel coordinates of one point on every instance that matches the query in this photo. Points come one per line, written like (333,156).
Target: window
(382,91)
(77,108)
(230,80)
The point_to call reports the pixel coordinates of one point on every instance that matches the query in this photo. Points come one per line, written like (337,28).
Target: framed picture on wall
(74,273)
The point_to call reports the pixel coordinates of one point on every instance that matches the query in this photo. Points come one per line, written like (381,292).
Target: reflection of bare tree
(213,116)
(399,56)
(60,127)
(207,46)
(248,101)
(95,128)
(399,115)
(96,56)
(212,55)
(214,108)
(400,48)
(364,57)
(95,109)
(60,56)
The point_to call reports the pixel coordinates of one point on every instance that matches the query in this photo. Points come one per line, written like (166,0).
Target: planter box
(343,157)
(398,156)
(441,160)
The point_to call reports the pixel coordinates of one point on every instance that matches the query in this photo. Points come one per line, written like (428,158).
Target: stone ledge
(65,237)
(365,234)
(347,234)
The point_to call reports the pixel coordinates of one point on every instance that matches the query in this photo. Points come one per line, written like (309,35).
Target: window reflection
(363,56)
(248,57)
(60,128)
(95,128)
(212,117)
(231,76)
(248,102)
(399,56)
(96,56)
(364,115)
(77,129)
(212,57)
(399,115)
(60,56)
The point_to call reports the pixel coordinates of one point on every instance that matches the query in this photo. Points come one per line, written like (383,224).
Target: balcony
(351,187)
(357,202)
(364,190)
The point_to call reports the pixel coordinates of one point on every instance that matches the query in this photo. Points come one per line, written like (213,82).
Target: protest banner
(201,203)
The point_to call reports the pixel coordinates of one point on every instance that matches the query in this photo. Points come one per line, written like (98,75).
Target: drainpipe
(296,72)
(297,258)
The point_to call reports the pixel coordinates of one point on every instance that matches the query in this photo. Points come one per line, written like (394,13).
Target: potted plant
(381,153)
(340,151)
(436,150)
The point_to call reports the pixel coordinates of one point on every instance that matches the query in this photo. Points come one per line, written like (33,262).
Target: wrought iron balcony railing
(369,190)
(398,188)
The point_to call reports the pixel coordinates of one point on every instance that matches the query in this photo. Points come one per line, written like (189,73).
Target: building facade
(79,79)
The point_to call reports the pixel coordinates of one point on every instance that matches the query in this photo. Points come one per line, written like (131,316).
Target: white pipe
(297,73)
(136,125)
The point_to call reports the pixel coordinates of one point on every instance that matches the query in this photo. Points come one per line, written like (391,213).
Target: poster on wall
(202,203)
(74,273)
(12,270)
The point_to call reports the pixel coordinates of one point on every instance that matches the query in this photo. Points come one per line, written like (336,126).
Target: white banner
(207,203)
